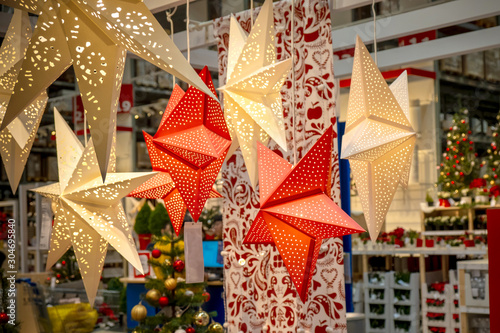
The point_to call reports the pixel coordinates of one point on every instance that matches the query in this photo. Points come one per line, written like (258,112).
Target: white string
(251,13)
(85,127)
(187,32)
(292,51)
(169,19)
(374,31)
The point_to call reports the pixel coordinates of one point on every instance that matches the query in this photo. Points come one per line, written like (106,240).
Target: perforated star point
(88,213)
(252,99)
(163,187)
(17,138)
(193,141)
(296,211)
(93,36)
(379,139)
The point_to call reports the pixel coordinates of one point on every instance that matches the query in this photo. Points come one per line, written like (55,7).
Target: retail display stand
(405,303)
(378,309)
(474,307)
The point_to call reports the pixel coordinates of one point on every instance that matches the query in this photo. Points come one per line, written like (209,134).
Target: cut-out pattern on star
(93,36)
(252,99)
(17,138)
(379,139)
(88,213)
(193,141)
(162,185)
(296,212)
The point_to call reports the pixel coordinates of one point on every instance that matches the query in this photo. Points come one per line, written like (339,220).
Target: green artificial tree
(492,160)
(158,220)
(179,303)
(66,268)
(141,225)
(7,292)
(457,168)
(208,217)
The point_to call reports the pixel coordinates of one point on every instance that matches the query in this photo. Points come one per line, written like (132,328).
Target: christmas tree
(492,159)
(458,169)
(179,303)
(66,269)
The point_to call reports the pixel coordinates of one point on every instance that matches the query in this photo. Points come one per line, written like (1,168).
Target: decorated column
(260,294)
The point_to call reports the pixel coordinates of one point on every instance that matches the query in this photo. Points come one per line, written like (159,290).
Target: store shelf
(454,232)
(474,309)
(425,251)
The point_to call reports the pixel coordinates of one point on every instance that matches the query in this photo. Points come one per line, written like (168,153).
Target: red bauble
(447,157)
(457,161)
(447,173)
(63,262)
(179,265)
(464,139)
(471,142)
(451,128)
(58,275)
(206,295)
(454,156)
(470,132)
(454,166)
(163,301)
(447,149)
(4,319)
(156,253)
(190,330)
(461,173)
(495,176)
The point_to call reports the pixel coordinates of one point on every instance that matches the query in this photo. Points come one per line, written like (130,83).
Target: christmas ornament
(17,138)
(91,35)
(190,330)
(162,186)
(379,139)
(215,328)
(89,213)
(153,295)
(192,141)
(179,265)
(167,262)
(252,98)
(201,318)
(206,295)
(58,265)
(156,253)
(163,301)
(180,330)
(189,293)
(4,318)
(170,283)
(139,312)
(296,211)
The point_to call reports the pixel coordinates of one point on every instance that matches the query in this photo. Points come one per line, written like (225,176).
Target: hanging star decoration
(252,99)
(88,212)
(193,141)
(163,187)
(17,138)
(93,36)
(296,211)
(379,139)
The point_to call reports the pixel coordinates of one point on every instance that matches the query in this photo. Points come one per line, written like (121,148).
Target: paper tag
(47,216)
(193,250)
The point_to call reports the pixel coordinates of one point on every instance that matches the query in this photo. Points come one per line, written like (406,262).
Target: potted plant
(141,226)
(438,222)
(444,199)
(466,198)
(412,236)
(478,185)
(429,223)
(494,193)
(429,199)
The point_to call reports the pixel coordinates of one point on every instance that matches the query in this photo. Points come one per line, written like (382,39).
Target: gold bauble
(215,328)
(153,295)
(201,318)
(170,283)
(139,312)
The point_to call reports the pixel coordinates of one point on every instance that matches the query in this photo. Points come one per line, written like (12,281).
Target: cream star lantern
(93,36)
(88,212)
(379,139)
(252,99)
(17,138)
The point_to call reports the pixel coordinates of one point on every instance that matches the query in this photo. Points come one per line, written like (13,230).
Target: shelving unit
(456,212)
(405,303)
(373,300)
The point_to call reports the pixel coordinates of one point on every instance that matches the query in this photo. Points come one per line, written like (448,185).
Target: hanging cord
(85,127)
(374,31)
(187,32)
(292,52)
(251,13)
(169,19)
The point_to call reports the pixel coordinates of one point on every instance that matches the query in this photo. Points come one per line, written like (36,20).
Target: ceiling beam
(156,6)
(420,20)
(436,49)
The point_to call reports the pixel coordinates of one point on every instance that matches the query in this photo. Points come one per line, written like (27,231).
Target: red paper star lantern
(296,211)
(193,141)
(163,187)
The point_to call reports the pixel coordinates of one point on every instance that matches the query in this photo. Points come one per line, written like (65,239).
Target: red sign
(494,270)
(125,103)
(417,38)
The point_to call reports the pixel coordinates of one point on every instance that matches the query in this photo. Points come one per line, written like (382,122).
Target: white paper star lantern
(379,139)
(88,213)
(252,99)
